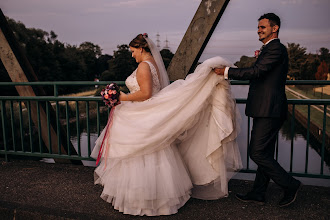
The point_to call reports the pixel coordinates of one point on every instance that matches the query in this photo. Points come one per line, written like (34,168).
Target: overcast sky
(109,23)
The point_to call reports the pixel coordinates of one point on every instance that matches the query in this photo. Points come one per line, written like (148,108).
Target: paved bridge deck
(35,190)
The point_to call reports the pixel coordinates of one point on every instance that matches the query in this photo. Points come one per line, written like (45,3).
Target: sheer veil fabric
(179,143)
(163,77)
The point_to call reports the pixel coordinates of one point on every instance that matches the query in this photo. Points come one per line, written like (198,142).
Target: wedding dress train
(177,144)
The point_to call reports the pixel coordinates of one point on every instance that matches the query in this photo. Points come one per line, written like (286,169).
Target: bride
(166,143)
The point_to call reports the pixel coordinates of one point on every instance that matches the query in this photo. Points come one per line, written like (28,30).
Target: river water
(284,147)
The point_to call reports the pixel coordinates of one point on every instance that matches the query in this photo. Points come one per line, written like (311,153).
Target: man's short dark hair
(273,19)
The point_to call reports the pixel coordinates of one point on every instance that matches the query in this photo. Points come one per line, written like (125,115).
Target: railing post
(4,128)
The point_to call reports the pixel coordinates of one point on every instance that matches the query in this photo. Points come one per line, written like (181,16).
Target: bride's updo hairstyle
(140,42)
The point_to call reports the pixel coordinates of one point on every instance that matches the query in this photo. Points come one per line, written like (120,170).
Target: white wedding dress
(177,144)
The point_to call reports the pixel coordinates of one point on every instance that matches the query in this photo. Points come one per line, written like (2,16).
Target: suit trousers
(262,147)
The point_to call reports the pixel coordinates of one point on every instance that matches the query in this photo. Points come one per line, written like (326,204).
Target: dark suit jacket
(267,77)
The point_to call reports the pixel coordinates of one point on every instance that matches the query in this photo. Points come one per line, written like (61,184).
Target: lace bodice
(133,86)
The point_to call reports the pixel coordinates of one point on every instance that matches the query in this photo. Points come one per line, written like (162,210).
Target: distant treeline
(53,60)
(302,66)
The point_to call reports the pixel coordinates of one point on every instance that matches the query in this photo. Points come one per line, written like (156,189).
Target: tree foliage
(245,62)
(322,71)
(302,66)
(53,60)
(297,56)
(167,56)
(122,65)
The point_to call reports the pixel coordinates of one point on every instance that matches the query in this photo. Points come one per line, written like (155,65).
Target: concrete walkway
(35,190)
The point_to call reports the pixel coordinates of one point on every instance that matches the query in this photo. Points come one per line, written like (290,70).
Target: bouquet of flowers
(110,95)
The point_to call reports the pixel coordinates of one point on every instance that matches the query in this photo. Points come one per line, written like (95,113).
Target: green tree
(53,60)
(324,54)
(297,57)
(120,66)
(102,64)
(309,67)
(245,62)
(167,56)
(90,53)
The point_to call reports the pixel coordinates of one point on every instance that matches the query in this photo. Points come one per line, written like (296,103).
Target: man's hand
(219,71)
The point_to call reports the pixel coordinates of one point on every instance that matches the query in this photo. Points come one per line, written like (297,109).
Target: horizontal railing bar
(310,175)
(307,82)
(288,82)
(64,83)
(51,98)
(295,101)
(47,155)
(73,83)
(99,98)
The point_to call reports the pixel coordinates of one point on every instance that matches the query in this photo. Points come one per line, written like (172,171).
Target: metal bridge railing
(23,133)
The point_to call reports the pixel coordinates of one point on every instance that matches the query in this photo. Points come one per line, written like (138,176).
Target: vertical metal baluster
(57,121)
(78,128)
(248,145)
(48,128)
(88,129)
(276,147)
(39,127)
(67,127)
(21,125)
(58,127)
(292,135)
(323,136)
(55,90)
(307,141)
(12,119)
(98,118)
(30,126)
(4,130)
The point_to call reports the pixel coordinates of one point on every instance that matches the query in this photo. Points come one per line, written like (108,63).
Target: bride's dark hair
(139,42)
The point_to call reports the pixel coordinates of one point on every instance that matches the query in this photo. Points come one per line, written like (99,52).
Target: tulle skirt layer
(182,137)
(153,184)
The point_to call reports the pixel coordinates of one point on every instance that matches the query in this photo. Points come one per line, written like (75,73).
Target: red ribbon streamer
(109,124)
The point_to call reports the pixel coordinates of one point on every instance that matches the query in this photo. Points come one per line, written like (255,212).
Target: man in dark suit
(267,105)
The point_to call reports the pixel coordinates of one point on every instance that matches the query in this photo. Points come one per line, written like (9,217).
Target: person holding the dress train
(267,105)
(167,142)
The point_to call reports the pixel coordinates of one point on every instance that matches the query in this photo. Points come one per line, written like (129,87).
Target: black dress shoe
(251,197)
(289,196)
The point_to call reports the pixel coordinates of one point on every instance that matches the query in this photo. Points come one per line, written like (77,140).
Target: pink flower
(256,53)
(106,96)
